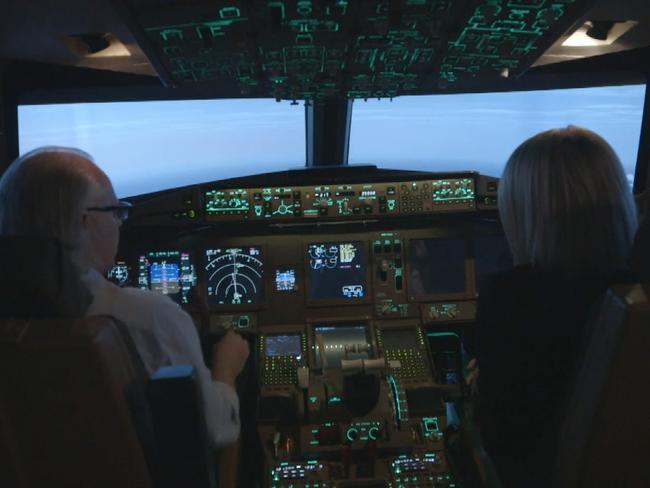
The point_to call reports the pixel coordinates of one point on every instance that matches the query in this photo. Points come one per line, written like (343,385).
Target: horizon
(150,146)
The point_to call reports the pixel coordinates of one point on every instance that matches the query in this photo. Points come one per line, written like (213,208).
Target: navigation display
(235,275)
(336,270)
(491,254)
(436,266)
(169,272)
(282,345)
(336,338)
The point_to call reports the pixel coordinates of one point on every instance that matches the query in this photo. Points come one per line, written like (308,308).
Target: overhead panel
(343,49)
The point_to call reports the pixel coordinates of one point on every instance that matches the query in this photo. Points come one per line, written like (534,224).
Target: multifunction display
(168,272)
(282,345)
(336,270)
(235,275)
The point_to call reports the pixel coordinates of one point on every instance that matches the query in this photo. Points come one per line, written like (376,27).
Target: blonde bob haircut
(566,205)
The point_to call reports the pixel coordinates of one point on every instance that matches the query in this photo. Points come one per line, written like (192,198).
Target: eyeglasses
(120,211)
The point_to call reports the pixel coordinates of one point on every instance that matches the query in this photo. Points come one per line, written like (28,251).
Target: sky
(480,131)
(151,146)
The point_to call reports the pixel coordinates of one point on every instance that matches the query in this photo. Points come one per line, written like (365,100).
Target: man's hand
(229,357)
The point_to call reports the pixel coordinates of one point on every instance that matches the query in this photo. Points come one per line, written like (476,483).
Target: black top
(530,332)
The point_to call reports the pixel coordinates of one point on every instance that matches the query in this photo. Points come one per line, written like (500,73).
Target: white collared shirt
(165,335)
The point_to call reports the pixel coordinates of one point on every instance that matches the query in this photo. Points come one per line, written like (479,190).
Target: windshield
(480,131)
(151,146)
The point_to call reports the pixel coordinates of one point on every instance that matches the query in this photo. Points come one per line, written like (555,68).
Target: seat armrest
(179,429)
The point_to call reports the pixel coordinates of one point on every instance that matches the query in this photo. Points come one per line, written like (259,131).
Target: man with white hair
(59,192)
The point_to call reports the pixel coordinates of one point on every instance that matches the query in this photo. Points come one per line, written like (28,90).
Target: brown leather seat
(76,405)
(39,279)
(605,438)
(62,406)
(64,380)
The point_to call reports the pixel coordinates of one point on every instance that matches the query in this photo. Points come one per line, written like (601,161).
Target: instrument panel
(356,317)
(235,275)
(392,274)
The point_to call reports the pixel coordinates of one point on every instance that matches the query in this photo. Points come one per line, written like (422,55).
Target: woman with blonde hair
(569,218)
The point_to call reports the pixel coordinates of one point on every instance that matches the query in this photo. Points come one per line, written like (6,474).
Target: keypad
(280,370)
(413,363)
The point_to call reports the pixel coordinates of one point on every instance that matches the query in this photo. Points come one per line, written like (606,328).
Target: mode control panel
(340,201)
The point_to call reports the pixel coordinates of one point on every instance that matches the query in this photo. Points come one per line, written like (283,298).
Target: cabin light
(598,33)
(96,45)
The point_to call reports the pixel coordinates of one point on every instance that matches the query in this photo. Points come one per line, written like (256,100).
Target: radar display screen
(282,345)
(235,275)
(399,339)
(436,266)
(336,338)
(491,255)
(168,272)
(285,279)
(337,270)
(119,273)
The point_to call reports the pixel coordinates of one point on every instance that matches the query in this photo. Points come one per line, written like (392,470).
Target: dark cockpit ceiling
(317,50)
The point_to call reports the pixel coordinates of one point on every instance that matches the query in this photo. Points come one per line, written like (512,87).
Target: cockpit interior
(322,179)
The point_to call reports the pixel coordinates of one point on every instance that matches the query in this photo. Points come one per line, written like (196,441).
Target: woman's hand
(472,372)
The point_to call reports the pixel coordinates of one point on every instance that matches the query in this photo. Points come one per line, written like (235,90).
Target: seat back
(75,405)
(39,279)
(179,429)
(62,407)
(605,438)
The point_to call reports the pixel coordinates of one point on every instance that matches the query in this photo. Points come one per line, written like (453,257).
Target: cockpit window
(151,146)
(479,131)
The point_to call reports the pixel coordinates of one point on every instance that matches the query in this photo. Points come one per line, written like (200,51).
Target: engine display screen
(436,266)
(399,339)
(285,279)
(169,272)
(335,340)
(282,345)
(337,270)
(235,275)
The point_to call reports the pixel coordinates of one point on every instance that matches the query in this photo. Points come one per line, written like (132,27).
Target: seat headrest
(39,279)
